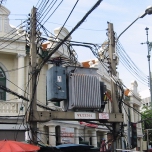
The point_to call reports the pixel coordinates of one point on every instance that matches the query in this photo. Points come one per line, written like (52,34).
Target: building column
(86,135)
(21,74)
(52,137)
(141,144)
(21,81)
(94,138)
(131,113)
(139,118)
(105,136)
(76,135)
(43,134)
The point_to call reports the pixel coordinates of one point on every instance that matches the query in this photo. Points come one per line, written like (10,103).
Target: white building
(11,57)
(145,98)
(132,111)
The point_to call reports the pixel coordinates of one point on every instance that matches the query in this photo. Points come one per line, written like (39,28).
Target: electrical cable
(124,58)
(43,12)
(16,69)
(38,3)
(95,30)
(50,7)
(130,59)
(132,72)
(78,24)
(11,33)
(10,43)
(43,6)
(65,20)
(137,74)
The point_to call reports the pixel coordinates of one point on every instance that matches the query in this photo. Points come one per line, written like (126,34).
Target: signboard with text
(84,115)
(67,135)
(103,116)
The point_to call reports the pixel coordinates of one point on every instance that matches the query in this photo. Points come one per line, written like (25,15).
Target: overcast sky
(119,12)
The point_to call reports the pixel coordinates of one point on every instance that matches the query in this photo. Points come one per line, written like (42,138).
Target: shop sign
(67,135)
(88,124)
(85,115)
(103,115)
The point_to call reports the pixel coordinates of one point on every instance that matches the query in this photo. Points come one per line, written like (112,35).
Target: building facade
(145,98)
(132,113)
(12,57)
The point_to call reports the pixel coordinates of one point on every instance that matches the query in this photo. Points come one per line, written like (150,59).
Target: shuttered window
(3,83)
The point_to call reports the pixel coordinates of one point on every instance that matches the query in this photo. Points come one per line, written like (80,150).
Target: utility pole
(114,103)
(148,57)
(33,82)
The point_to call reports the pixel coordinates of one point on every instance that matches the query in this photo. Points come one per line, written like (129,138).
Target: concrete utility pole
(114,103)
(148,57)
(33,98)
(149,46)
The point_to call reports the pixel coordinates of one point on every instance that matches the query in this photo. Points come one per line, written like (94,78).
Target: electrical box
(56,84)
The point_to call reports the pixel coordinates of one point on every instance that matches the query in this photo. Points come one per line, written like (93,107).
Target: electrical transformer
(56,84)
(79,87)
(84,88)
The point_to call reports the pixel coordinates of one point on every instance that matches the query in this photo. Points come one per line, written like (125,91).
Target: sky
(120,13)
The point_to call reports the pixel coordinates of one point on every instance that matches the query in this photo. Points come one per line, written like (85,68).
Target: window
(3,83)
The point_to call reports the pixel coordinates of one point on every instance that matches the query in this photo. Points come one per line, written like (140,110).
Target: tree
(147,121)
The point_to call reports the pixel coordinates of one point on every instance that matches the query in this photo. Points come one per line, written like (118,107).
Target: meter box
(56,84)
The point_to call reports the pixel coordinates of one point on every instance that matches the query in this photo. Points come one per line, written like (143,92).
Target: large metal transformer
(84,88)
(80,88)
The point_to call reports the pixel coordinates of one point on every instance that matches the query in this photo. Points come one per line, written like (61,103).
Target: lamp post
(147,11)
(148,57)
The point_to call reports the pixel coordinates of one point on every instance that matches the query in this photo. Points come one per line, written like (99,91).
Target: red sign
(88,124)
(103,116)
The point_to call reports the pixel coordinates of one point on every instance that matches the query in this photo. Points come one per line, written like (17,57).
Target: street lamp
(147,11)
(148,57)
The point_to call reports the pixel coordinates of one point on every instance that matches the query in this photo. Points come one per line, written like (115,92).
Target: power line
(78,24)
(52,13)
(66,20)
(130,66)
(97,30)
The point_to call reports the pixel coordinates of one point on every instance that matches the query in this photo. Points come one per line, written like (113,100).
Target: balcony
(13,108)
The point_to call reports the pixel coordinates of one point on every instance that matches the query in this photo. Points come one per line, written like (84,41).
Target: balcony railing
(13,108)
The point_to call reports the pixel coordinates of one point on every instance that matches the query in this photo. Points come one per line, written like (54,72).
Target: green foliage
(147,120)
(147,117)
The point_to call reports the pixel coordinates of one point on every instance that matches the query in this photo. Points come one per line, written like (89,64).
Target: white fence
(12,108)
